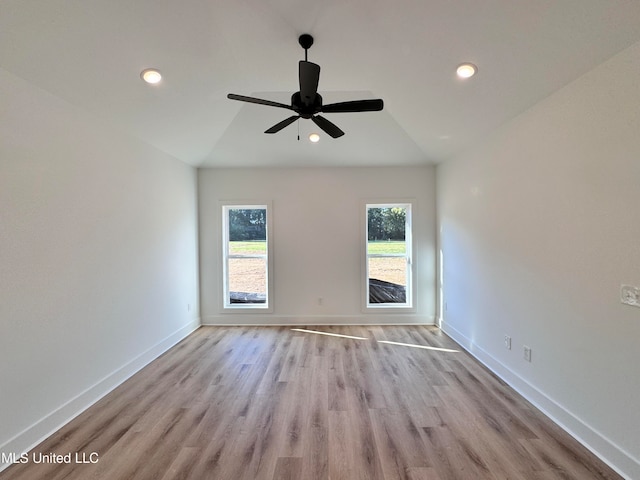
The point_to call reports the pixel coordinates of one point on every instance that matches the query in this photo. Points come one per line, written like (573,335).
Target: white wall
(98,259)
(318,230)
(539,227)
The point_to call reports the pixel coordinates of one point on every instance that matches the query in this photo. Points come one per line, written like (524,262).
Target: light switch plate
(630,295)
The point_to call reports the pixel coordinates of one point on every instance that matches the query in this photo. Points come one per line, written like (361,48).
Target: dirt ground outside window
(249,274)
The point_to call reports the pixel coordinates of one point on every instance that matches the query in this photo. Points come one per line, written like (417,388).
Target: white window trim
(410,305)
(258,308)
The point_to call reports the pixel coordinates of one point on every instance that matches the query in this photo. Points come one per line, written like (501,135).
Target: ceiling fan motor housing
(304,110)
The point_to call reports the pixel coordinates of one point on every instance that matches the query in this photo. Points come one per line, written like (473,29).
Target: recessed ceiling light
(314,137)
(151,75)
(466,70)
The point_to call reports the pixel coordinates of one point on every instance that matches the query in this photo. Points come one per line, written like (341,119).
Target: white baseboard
(240,319)
(617,458)
(45,427)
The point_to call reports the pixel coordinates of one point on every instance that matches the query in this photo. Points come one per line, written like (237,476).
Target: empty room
(319,240)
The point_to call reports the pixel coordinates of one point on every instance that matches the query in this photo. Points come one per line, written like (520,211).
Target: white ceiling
(90,53)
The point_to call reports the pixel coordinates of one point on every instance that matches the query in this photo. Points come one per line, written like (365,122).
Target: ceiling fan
(307,103)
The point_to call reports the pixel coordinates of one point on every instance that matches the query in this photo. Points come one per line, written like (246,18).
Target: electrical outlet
(630,295)
(527,353)
(320,301)
(507,342)
(188,307)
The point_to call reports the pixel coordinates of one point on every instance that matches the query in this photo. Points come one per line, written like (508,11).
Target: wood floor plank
(292,359)
(336,385)
(223,455)
(449,456)
(315,459)
(181,466)
(265,403)
(365,456)
(288,468)
(341,463)
(423,473)
(400,444)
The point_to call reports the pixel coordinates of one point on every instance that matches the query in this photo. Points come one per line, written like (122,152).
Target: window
(388,255)
(245,256)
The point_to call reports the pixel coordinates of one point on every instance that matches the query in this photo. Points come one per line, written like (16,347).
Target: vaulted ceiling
(91,53)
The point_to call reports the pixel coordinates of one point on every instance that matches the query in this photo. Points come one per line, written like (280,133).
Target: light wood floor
(244,403)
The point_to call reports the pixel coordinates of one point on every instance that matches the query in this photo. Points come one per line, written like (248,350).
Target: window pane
(247,280)
(387,280)
(386,223)
(247,224)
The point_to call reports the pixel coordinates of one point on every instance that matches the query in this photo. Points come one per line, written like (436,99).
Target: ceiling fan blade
(309,74)
(330,128)
(259,101)
(279,126)
(354,106)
